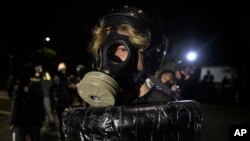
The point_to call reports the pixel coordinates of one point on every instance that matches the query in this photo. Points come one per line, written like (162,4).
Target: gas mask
(114,71)
(117,59)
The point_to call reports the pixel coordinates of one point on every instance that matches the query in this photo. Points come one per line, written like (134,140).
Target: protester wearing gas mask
(129,47)
(61,93)
(167,77)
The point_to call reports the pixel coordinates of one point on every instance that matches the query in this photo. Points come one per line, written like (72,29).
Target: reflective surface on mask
(166,121)
(98,89)
(122,52)
(118,53)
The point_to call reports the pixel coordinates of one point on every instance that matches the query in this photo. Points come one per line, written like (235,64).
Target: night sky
(218,30)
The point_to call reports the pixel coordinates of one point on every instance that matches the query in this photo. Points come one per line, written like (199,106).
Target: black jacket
(27,107)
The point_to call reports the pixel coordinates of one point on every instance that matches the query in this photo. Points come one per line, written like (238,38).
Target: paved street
(219,118)
(215,126)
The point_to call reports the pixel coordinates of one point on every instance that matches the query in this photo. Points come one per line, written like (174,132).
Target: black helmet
(154,53)
(81,69)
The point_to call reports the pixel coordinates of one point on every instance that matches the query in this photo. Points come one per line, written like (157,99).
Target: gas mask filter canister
(98,89)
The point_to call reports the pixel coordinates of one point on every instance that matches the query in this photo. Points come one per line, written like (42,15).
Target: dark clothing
(20,133)
(189,88)
(154,95)
(27,107)
(76,97)
(61,92)
(27,110)
(12,87)
(62,97)
(181,83)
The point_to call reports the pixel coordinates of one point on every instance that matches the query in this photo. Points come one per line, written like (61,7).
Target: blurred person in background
(168,78)
(27,110)
(80,71)
(227,89)
(12,86)
(46,83)
(207,88)
(61,91)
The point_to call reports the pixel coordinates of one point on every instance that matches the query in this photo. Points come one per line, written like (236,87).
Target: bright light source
(47,39)
(191,56)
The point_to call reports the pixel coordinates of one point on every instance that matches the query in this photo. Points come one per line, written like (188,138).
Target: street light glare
(47,39)
(191,56)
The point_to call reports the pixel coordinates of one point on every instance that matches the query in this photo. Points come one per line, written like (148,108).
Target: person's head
(38,70)
(128,40)
(80,69)
(128,46)
(61,68)
(167,76)
(178,74)
(125,32)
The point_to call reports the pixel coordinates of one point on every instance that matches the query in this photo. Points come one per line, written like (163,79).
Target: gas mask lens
(118,53)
